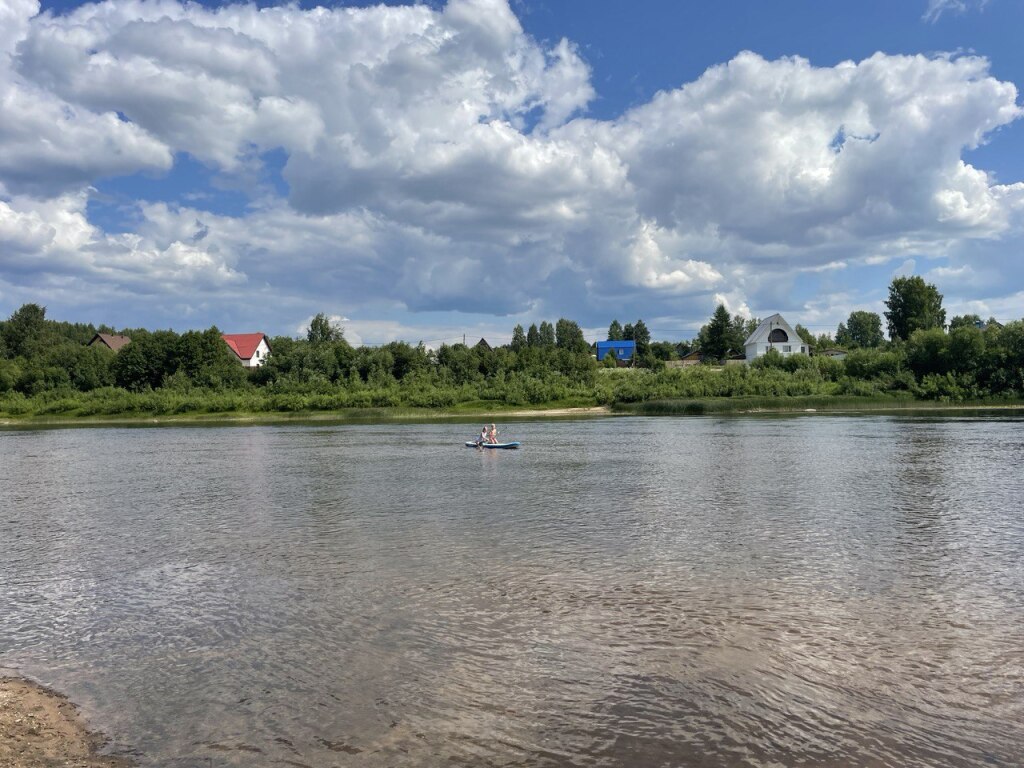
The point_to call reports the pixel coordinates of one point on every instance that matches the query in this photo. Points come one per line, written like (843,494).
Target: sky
(433,171)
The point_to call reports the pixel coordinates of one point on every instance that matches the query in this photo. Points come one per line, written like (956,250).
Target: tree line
(46,365)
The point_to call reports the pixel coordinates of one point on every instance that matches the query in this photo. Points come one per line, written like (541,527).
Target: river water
(774,591)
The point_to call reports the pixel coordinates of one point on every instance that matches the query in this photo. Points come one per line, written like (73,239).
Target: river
(751,591)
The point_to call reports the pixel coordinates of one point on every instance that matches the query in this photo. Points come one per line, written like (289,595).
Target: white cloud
(936,8)
(440,160)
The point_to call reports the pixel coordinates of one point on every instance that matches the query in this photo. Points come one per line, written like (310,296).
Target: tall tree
(804,334)
(24,330)
(615,331)
(547,334)
(518,338)
(914,305)
(533,336)
(323,331)
(862,329)
(642,337)
(568,335)
(716,338)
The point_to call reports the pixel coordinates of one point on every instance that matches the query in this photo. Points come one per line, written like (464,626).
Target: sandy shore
(39,728)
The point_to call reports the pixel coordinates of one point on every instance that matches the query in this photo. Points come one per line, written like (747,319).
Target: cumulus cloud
(442,159)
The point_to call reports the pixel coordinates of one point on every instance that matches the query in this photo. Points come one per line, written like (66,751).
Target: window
(777,335)
(787,348)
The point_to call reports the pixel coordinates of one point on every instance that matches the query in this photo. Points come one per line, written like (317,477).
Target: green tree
(914,305)
(642,337)
(964,321)
(568,335)
(533,336)
(24,330)
(717,337)
(323,331)
(862,329)
(664,350)
(205,359)
(805,335)
(965,349)
(547,334)
(87,368)
(615,331)
(147,361)
(518,339)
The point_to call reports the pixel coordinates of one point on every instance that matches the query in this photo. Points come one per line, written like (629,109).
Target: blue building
(623,350)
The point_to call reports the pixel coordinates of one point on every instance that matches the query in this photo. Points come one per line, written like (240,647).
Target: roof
(617,344)
(769,324)
(244,344)
(111,340)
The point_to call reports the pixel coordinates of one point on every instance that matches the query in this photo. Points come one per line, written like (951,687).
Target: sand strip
(40,728)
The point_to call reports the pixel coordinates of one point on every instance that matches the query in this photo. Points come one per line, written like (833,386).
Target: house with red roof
(251,348)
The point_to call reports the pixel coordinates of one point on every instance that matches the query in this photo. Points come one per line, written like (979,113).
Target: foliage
(323,331)
(913,305)
(164,373)
(862,329)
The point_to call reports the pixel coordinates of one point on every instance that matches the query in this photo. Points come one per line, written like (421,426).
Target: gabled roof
(244,344)
(625,344)
(768,325)
(111,340)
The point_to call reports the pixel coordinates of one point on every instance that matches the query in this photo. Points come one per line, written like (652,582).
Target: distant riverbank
(496,411)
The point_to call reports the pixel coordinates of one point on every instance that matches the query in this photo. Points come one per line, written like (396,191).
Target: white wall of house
(259,357)
(783,348)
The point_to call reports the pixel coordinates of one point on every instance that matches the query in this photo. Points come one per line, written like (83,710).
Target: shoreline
(41,728)
(681,407)
(355,416)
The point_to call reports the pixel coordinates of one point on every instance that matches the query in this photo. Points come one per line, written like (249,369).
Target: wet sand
(40,728)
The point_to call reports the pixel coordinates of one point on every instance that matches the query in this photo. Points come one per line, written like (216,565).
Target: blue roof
(623,350)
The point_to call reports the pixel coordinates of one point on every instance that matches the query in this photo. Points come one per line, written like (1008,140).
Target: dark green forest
(47,367)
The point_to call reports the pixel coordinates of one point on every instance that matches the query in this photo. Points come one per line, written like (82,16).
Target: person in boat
(492,435)
(483,436)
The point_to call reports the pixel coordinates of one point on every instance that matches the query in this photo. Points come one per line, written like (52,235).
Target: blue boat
(472,444)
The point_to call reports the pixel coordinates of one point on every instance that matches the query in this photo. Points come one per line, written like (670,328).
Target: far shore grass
(474,411)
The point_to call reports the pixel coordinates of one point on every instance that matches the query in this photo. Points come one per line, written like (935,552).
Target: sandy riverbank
(40,728)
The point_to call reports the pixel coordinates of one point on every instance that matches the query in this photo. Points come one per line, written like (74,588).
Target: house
(620,350)
(774,333)
(694,358)
(251,348)
(482,346)
(109,340)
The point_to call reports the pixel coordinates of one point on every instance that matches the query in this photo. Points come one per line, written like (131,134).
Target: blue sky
(424,172)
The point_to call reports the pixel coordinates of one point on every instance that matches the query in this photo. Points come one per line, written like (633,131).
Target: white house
(774,333)
(251,348)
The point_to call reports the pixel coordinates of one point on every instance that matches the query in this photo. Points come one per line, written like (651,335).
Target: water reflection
(826,591)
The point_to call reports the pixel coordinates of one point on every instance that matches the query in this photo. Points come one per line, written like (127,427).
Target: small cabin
(620,350)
